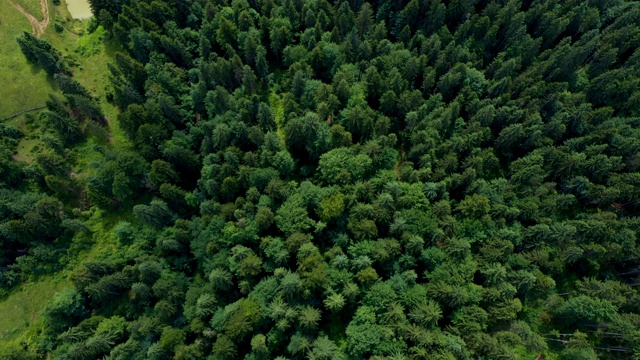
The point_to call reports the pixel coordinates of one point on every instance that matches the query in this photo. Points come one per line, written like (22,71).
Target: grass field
(23,85)
(20,309)
(31,6)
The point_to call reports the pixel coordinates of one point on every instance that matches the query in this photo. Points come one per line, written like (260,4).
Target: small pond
(79,9)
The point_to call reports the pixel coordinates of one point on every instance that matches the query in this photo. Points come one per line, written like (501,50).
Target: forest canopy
(425,179)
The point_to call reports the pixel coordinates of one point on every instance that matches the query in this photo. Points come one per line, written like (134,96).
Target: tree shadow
(52,83)
(111,47)
(35,68)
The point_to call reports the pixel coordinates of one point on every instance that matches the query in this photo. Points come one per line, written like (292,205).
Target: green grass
(91,43)
(32,7)
(278,113)
(20,309)
(91,53)
(23,85)
(24,151)
(102,224)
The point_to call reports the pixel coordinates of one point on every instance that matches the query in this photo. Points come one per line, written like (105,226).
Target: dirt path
(37,27)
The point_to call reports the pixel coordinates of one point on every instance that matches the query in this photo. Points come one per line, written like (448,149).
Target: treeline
(40,199)
(386,180)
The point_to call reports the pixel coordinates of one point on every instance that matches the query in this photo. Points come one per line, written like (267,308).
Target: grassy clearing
(27,86)
(90,53)
(20,309)
(32,7)
(102,224)
(278,113)
(23,85)
(24,151)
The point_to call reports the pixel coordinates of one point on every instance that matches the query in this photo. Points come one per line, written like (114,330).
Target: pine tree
(66,126)
(71,87)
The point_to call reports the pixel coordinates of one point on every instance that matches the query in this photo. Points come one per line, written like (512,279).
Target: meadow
(23,85)
(20,310)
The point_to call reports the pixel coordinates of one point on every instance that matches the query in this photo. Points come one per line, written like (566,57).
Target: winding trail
(37,27)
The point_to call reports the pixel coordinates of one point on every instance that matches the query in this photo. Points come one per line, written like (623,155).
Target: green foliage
(343,166)
(332,207)
(292,217)
(422,179)
(156,214)
(42,53)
